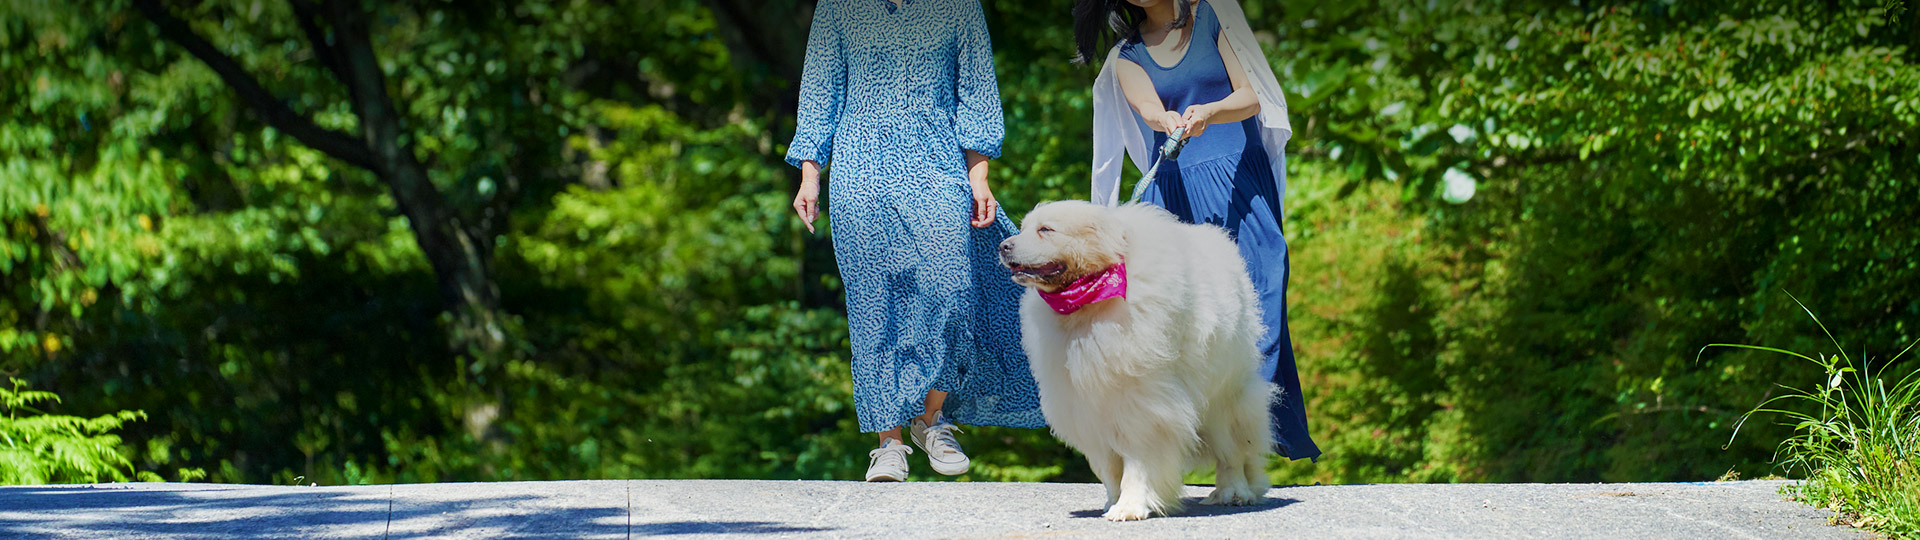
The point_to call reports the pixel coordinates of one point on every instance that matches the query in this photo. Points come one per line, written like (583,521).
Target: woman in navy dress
(1181,64)
(898,97)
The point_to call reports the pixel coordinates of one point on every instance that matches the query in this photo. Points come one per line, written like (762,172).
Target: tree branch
(271,109)
(367,84)
(306,14)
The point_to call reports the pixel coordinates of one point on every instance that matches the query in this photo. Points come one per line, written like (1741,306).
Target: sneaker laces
(939,437)
(896,450)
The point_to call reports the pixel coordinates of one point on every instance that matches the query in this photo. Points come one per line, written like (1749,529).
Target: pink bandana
(1108,284)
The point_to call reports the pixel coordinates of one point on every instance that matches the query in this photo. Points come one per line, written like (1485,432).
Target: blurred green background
(446,240)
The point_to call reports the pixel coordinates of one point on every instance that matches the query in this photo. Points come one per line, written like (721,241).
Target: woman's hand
(1197,119)
(985,208)
(1165,122)
(807,202)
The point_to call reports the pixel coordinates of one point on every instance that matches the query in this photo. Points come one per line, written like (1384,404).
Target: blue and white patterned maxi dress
(890,100)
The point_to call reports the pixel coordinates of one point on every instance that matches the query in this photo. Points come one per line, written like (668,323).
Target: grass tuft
(1855,438)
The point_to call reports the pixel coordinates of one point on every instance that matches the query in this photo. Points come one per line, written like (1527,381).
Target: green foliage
(1625,214)
(39,448)
(1857,451)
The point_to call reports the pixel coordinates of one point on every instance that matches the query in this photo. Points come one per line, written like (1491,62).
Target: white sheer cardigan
(1115,124)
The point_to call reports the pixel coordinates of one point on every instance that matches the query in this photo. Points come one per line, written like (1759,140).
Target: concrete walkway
(792,509)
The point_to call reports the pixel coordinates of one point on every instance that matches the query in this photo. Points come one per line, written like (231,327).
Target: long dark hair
(1098,24)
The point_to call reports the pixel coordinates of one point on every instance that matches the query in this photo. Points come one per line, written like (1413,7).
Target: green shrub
(40,448)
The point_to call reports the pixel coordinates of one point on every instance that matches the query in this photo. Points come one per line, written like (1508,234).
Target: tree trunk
(460,260)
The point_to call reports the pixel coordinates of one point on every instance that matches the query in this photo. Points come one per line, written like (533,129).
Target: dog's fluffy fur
(1144,386)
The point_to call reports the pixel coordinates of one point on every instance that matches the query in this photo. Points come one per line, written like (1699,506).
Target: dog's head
(1061,242)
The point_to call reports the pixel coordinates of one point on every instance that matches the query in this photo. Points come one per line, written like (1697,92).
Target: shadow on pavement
(108,512)
(719,527)
(1196,510)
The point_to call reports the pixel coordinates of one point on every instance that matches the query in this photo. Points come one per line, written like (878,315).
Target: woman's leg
(935,400)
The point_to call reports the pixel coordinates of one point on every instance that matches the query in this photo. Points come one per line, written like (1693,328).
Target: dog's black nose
(1006,246)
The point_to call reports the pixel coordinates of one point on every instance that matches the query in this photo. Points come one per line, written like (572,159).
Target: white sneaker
(889,462)
(943,452)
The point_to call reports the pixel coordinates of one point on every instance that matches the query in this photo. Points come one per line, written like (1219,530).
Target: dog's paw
(1127,512)
(1233,497)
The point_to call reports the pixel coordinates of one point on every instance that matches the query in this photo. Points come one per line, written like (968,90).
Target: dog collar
(1106,284)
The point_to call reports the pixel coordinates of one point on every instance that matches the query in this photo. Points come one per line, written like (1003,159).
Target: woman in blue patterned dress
(898,98)
(1194,66)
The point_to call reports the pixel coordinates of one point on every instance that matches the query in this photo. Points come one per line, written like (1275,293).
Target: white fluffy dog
(1146,383)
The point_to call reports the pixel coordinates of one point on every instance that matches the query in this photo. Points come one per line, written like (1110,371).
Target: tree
(458,242)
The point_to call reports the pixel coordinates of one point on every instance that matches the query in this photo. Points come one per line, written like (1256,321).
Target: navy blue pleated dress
(1224,177)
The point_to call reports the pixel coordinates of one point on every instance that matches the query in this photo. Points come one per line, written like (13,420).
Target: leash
(1169,151)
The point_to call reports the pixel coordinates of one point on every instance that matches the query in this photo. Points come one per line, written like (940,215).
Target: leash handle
(1169,151)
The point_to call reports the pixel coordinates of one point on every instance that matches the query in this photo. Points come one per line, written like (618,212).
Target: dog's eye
(1044,230)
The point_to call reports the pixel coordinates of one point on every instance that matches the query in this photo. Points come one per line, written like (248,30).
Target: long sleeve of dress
(978,118)
(823,89)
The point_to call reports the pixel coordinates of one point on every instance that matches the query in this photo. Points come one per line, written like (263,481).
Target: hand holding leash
(1169,151)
